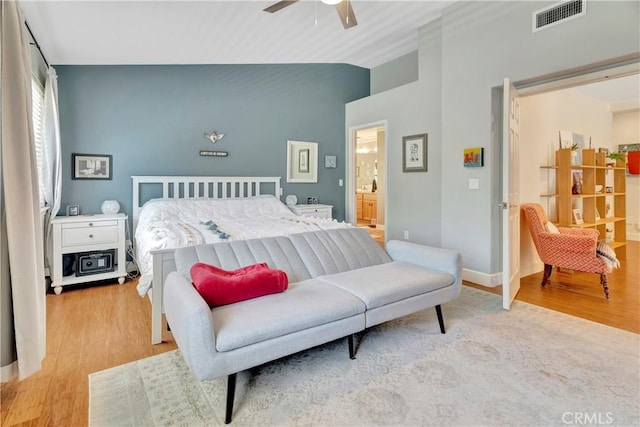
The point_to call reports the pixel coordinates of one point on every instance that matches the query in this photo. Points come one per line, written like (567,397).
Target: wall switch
(474,184)
(406,235)
(340,183)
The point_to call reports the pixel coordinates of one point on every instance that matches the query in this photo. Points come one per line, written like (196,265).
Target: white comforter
(172,223)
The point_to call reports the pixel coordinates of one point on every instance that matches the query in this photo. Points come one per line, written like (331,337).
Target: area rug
(527,367)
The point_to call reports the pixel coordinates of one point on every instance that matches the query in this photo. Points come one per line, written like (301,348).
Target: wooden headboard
(213,187)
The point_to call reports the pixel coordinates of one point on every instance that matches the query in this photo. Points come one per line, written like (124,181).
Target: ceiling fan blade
(279,5)
(345,12)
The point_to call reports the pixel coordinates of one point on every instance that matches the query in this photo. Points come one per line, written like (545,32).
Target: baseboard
(484,279)
(9,372)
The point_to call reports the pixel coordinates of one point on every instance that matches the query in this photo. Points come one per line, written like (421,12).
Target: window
(37,99)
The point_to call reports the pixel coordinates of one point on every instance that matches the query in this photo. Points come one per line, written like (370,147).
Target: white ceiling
(620,93)
(224,32)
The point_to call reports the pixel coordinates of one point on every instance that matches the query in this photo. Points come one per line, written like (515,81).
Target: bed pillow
(220,287)
(551,228)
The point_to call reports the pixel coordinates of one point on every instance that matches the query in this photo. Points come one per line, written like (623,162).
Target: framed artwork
(330,162)
(577,217)
(91,166)
(302,161)
(474,157)
(414,153)
(73,210)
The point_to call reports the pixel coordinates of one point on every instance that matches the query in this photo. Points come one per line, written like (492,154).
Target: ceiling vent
(558,13)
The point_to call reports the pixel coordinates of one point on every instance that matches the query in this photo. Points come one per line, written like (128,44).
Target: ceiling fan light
(331,2)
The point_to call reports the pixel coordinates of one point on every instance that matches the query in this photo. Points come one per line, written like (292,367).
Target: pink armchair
(571,248)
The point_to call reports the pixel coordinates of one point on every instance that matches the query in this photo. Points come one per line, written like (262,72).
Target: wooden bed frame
(189,187)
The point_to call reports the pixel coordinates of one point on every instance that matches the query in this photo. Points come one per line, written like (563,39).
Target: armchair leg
(603,282)
(547,274)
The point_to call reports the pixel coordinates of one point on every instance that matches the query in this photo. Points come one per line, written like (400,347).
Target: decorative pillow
(551,228)
(217,270)
(220,287)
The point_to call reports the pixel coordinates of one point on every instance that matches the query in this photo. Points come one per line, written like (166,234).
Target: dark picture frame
(414,153)
(92,166)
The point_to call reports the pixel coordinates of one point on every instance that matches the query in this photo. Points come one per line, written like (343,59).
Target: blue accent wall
(152,120)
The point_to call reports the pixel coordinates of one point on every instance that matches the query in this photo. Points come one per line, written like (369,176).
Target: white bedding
(172,223)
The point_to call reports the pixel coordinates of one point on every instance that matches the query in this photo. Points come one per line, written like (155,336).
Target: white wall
(462,57)
(626,130)
(395,73)
(408,207)
(542,116)
(483,42)
(413,199)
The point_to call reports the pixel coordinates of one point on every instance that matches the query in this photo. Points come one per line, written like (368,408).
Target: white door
(510,194)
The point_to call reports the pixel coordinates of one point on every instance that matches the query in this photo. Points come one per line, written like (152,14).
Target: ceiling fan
(343,7)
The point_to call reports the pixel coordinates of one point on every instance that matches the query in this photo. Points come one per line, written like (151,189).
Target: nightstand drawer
(89,235)
(316,211)
(89,223)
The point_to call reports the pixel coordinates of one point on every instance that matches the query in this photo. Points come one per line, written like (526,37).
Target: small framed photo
(414,153)
(577,217)
(330,162)
(91,166)
(73,210)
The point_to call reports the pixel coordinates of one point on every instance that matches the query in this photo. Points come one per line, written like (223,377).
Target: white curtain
(51,162)
(21,193)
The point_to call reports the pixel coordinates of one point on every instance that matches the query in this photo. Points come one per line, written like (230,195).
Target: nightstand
(316,211)
(93,247)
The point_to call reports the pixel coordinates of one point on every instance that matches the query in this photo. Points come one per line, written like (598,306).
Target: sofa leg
(603,282)
(352,348)
(547,274)
(440,319)
(231,392)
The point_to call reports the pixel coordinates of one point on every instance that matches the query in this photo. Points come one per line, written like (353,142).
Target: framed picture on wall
(414,153)
(91,166)
(302,161)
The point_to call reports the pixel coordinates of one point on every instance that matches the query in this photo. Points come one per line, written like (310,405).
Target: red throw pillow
(220,287)
(222,272)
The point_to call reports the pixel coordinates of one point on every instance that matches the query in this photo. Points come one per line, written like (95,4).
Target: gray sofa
(340,283)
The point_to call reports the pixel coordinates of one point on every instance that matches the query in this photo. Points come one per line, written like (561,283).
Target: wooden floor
(94,328)
(581,295)
(88,330)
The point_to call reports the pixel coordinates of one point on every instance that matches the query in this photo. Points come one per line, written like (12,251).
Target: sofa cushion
(338,250)
(278,252)
(390,282)
(304,305)
(219,287)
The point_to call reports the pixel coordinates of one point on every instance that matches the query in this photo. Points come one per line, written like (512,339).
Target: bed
(176,211)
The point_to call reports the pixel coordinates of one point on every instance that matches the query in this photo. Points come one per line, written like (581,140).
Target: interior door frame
(350,170)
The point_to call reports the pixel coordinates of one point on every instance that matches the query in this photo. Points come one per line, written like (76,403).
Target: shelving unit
(589,202)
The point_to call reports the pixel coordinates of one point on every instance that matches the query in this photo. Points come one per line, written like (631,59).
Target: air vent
(558,13)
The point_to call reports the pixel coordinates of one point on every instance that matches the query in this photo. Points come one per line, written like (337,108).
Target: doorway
(563,107)
(368,179)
